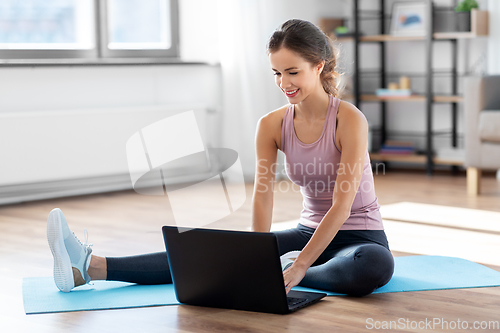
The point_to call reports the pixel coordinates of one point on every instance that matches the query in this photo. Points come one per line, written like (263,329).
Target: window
(88,29)
(47,28)
(138,27)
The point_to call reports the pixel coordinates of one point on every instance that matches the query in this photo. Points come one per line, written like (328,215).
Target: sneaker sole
(63,272)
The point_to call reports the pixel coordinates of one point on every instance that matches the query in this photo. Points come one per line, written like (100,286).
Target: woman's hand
(293,275)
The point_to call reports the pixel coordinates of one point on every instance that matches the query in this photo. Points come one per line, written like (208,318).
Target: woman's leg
(98,268)
(293,239)
(153,268)
(149,268)
(355,270)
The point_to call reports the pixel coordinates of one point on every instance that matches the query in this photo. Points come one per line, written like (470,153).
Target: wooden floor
(125,223)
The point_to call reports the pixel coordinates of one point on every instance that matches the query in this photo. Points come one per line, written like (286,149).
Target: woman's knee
(374,267)
(375,256)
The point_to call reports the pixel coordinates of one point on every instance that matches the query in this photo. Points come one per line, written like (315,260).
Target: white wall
(66,123)
(198,31)
(81,87)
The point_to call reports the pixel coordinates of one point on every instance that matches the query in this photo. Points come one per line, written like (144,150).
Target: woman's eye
(293,73)
(277,73)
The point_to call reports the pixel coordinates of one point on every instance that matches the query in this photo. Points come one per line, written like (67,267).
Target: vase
(445,20)
(463,20)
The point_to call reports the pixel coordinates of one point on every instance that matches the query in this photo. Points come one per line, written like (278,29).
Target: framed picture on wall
(409,19)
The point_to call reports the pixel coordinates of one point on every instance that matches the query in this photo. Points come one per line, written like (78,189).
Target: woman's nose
(284,83)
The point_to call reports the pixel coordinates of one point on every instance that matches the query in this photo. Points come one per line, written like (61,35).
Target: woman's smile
(292,93)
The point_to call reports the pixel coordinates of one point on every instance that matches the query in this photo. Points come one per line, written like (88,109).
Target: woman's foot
(288,258)
(71,257)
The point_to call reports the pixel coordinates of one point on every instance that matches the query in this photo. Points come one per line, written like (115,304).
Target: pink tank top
(314,167)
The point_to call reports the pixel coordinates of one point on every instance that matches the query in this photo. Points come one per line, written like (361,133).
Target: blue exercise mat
(416,273)
(40,295)
(412,273)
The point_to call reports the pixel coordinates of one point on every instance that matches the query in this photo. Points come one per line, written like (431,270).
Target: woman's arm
(265,173)
(353,137)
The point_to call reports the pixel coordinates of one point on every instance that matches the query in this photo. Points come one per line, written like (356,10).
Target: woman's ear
(320,66)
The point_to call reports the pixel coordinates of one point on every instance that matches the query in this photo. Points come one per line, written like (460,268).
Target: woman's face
(295,76)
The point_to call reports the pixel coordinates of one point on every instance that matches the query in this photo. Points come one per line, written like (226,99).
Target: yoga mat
(416,273)
(411,273)
(40,295)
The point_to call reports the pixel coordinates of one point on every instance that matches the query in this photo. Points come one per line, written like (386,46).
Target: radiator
(46,154)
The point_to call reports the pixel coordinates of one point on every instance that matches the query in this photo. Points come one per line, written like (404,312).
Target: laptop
(231,269)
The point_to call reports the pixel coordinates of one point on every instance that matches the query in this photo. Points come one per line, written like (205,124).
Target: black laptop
(230,269)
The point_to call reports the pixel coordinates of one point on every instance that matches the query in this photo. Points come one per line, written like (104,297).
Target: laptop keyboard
(292,301)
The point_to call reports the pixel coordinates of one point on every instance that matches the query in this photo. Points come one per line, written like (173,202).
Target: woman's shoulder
(351,122)
(275,115)
(274,119)
(270,124)
(349,113)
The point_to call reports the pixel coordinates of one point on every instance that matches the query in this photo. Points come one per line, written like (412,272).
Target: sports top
(314,167)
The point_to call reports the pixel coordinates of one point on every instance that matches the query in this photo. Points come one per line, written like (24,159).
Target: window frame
(104,34)
(100,53)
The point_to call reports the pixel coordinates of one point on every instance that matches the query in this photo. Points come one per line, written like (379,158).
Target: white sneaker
(288,258)
(71,257)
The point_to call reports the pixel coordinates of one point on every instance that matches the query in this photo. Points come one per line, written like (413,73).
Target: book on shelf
(398,143)
(392,151)
(397,148)
(393,93)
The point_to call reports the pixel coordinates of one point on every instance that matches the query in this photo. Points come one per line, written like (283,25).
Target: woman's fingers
(287,287)
(292,277)
(285,278)
(288,280)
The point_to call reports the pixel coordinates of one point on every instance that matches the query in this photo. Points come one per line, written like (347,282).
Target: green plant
(341,30)
(466,5)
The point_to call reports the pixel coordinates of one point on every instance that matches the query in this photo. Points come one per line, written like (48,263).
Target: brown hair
(309,42)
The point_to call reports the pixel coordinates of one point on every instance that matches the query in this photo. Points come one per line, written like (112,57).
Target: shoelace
(86,235)
(86,245)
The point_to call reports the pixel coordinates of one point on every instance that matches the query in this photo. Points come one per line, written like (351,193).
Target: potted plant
(463,10)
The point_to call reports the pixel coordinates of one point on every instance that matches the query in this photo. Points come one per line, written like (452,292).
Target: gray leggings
(355,263)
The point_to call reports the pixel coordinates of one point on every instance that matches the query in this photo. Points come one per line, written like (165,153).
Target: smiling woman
(340,233)
(312,47)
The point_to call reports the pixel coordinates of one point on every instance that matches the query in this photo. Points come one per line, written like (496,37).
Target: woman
(340,233)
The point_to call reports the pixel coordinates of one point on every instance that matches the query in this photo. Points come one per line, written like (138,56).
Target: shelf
(412,158)
(389,38)
(448,99)
(456,35)
(343,39)
(437,35)
(441,161)
(413,98)
(479,27)
(375,98)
